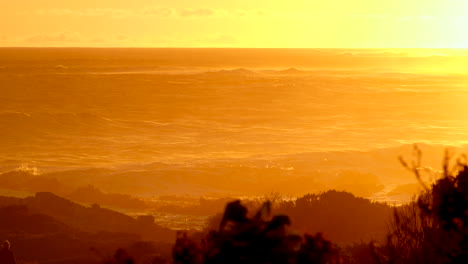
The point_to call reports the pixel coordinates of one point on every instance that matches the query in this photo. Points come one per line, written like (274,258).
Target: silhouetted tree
(6,255)
(433,229)
(120,257)
(254,239)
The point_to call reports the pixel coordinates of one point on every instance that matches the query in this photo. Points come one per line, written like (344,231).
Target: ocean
(237,121)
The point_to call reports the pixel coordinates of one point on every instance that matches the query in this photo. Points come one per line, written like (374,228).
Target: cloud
(161,12)
(122,37)
(98,40)
(54,38)
(427,18)
(200,12)
(224,39)
(248,12)
(433,18)
(215,41)
(406,18)
(370,16)
(117,39)
(458,18)
(157,11)
(90,12)
(77,39)
(3,40)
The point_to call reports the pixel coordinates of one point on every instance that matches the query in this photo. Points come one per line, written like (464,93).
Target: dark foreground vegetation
(254,239)
(331,227)
(50,229)
(433,229)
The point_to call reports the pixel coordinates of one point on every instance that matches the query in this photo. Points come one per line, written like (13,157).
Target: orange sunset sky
(240,23)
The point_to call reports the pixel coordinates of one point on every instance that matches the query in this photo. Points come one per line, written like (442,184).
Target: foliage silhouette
(6,255)
(120,257)
(254,239)
(434,228)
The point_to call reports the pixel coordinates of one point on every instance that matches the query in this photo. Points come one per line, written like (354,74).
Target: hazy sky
(235,23)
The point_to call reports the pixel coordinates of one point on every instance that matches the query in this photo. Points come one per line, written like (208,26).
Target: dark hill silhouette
(340,216)
(39,237)
(18,218)
(9,201)
(95,218)
(50,229)
(90,219)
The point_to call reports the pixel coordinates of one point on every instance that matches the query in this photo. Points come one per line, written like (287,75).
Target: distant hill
(291,71)
(47,228)
(61,184)
(239,71)
(90,219)
(19,219)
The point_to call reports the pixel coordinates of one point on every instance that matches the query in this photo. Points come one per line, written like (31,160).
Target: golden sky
(235,23)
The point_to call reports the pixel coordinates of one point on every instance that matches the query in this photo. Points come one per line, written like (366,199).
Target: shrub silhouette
(254,239)
(434,228)
(120,257)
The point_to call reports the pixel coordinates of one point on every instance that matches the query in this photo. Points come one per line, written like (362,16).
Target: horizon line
(129,47)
